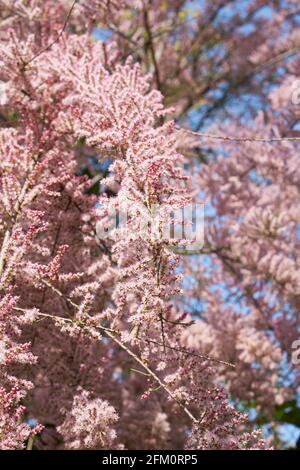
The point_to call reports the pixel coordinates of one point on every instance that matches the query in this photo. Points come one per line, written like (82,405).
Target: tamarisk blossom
(13,356)
(253,242)
(103,319)
(89,423)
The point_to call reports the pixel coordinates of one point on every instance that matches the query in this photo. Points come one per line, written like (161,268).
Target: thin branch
(238,139)
(56,39)
(190,353)
(153,375)
(174,322)
(274,60)
(139,372)
(112,335)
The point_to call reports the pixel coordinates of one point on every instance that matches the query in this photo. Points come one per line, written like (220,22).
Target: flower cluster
(99,333)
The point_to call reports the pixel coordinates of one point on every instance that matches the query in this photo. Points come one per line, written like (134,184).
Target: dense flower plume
(100,334)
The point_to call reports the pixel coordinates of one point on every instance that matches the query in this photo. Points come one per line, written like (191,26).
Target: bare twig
(190,353)
(30,443)
(153,375)
(238,139)
(45,49)
(113,336)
